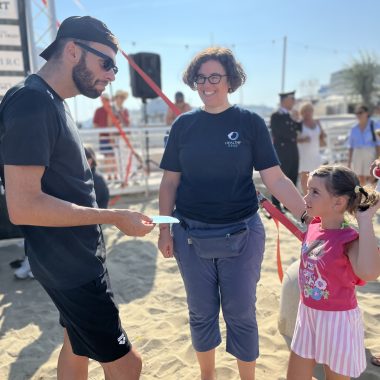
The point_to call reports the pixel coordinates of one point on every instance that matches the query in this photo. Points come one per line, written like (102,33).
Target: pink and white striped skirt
(333,338)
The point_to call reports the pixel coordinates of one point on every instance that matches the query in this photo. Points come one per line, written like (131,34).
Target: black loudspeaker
(150,63)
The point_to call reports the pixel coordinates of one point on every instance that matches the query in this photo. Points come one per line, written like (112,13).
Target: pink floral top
(326,278)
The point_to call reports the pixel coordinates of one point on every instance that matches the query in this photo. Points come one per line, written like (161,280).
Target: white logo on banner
(11,61)
(10,35)
(8,10)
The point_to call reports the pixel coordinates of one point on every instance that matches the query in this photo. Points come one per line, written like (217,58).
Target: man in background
(120,111)
(284,133)
(179,101)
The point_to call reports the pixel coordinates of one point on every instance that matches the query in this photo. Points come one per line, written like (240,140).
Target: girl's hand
(367,214)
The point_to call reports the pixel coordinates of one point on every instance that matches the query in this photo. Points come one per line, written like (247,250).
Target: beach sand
(153,311)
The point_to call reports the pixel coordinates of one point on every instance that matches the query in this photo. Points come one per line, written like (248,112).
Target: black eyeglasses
(213,78)
(108,62)
(359,112)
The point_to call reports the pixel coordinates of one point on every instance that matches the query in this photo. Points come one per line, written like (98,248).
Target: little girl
(334,258)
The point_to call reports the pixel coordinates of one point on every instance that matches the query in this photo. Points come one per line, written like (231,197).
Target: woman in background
(309,143)
(363,145)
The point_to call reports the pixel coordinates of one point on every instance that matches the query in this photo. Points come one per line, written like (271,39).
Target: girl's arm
(364,253)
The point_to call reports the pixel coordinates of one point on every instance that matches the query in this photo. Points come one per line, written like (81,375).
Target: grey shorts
(229,283)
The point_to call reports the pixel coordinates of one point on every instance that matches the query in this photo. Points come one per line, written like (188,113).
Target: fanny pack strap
(186,227)
(183,224)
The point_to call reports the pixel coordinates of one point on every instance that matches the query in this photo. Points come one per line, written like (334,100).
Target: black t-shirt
(36,128)
(216,155)
(101,189)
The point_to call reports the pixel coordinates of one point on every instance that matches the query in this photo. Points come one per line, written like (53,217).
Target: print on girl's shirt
(311,282)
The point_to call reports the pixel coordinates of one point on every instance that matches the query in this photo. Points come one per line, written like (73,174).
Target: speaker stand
(148,160)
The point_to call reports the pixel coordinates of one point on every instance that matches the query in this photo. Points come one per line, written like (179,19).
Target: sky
(323,36)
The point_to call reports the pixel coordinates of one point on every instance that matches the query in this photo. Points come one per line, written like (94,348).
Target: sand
(153,311)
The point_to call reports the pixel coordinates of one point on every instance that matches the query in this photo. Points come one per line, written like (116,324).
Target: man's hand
(133,223)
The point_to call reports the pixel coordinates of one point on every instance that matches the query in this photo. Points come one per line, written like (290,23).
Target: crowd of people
(207,184)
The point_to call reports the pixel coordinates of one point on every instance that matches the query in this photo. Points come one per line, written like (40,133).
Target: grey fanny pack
(218,242)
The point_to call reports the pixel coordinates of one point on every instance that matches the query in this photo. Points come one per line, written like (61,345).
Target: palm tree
(363,76)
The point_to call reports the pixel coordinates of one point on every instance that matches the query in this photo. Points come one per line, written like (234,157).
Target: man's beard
(84,79)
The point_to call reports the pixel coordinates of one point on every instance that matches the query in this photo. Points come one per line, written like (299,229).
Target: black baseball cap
(85,28)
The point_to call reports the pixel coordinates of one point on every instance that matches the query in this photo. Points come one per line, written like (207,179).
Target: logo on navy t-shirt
(233,141)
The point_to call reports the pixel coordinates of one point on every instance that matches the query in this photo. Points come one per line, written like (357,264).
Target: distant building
(337,97)
(261,110)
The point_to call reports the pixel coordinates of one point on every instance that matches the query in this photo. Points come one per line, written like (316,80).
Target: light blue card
(157,219)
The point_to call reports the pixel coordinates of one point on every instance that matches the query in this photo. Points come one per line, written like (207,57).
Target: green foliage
(363,76)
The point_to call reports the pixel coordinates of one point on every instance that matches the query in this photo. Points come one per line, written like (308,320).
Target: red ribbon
(277,217)
(151,83)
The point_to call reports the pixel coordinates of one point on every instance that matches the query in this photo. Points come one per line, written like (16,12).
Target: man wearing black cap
(284,132)
(50,193)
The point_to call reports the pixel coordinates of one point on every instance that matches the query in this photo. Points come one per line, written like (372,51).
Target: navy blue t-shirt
(216,155)
(36,128)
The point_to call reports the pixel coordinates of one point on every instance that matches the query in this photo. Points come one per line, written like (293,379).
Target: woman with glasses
(363,145)
(207,184)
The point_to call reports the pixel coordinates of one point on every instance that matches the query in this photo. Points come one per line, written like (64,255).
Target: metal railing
(125,174)
(125,171)
(337,128)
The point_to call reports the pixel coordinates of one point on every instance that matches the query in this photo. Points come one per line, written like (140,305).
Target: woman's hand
(165,242)
(303,139)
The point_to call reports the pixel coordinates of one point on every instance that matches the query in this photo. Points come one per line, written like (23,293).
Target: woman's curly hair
(234,71)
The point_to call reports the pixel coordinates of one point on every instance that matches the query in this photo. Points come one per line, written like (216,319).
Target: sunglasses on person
(213,78)
(359,112)
(108,63)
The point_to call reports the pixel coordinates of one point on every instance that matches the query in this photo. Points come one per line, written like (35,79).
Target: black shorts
(91,319)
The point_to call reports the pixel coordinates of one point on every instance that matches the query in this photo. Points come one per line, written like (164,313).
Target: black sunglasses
(108,63)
